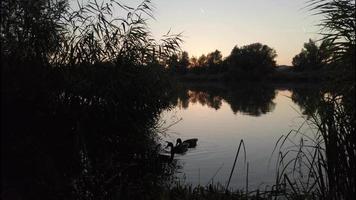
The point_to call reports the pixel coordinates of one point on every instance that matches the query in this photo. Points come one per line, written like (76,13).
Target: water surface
(220,117)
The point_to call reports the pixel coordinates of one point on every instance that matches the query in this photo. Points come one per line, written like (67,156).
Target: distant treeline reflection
(249,99)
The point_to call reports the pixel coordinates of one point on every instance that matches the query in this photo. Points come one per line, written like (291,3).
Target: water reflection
(308,99)
(253,99)
(220,116)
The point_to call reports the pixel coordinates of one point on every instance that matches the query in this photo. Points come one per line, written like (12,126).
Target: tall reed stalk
(322,164)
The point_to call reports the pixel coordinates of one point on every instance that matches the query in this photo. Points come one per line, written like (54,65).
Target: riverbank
(217,192)
(286,75)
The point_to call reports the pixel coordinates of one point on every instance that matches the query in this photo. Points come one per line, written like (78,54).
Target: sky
(221,24)
(207,25)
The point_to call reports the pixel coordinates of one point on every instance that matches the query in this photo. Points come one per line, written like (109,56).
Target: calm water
(220,118)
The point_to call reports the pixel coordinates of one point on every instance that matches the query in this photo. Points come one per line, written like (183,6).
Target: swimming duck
(191,142)
(180,148)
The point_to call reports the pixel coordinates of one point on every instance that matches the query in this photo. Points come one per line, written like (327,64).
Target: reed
(234,165)
(328,156)
(321,164)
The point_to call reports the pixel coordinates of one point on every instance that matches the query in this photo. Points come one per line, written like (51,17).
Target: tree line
(253,60)
(256,60)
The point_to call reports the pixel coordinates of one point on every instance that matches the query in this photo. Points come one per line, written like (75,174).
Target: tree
(31,30)
(179,63)
(255,59)
(196,65)
(193,62)
(214,61)
(202,61)
(312,56)
(184,61)
(172,62)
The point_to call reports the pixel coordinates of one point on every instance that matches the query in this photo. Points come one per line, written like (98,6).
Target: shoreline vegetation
(82,92)
(283,75)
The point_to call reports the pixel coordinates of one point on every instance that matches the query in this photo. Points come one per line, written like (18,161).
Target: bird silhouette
(191,142)
(180,148)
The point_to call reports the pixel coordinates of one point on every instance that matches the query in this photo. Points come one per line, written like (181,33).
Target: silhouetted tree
(202,61)
(252,60)
(172,63)
(31,30)
(193,62)
(312,56)
(178,63)
(194,66)
(198,66)
(184,62)
(214,61)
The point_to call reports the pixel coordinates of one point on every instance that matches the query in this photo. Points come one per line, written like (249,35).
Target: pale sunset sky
(221,24)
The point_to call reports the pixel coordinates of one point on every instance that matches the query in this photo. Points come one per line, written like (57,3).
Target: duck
(191,142)
(180,148)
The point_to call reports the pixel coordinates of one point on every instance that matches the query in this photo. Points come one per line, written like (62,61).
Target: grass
(321,164)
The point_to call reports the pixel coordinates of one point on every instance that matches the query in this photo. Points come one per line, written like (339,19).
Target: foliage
(328,156)
(202,61)
(214,61)
(178,63)
(338,26)
(184,59)
(31,29)
(254,59)
(200,65)
(80,101)
(95,35)
(312,56)
(321,164)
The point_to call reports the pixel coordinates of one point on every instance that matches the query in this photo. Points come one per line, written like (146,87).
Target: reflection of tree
(308,99)
(252,100)
(205,98)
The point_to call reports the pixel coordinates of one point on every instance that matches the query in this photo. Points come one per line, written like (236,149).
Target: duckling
(181,148)
(191,142)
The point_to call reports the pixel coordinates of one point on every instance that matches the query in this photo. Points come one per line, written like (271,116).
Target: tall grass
(110,31)
(95,31)
(328,158)
(338,28)
(322,164)
(338,23)
(82,90)
(234,165)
